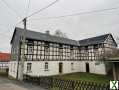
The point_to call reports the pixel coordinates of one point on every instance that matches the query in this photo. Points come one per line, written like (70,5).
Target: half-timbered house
(94,51)
(47,55)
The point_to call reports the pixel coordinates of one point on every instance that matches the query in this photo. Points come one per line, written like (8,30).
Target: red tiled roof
(4,57)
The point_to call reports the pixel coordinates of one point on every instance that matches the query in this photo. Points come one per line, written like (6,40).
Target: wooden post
(23,38)
(114,71)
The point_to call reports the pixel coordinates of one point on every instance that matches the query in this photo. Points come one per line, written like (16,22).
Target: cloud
(76,27)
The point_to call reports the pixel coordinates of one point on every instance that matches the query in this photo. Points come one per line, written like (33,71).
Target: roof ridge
(44,36)
(96,36)
(45,33)
(94,40)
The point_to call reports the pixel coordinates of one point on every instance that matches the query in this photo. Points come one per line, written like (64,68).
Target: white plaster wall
(38,68)
(97,69)
(13,68)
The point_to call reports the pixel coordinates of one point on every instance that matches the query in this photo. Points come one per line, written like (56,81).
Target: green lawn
(86,77)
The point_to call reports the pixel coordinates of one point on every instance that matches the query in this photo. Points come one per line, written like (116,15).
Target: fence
(62,84)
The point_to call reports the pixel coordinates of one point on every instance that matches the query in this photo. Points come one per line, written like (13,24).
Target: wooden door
(60,68)
(87,68)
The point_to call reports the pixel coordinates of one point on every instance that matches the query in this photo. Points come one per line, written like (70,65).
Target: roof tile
(4,57)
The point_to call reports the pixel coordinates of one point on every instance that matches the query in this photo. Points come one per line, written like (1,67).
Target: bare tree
(112,54)
(117,39)
(59,33)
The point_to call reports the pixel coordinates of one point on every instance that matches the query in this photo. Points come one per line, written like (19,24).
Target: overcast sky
(76,27)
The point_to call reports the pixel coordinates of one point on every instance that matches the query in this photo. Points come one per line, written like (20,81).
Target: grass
(86,77)
(3,73)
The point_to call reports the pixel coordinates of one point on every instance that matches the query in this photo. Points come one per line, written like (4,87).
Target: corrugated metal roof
(45,37)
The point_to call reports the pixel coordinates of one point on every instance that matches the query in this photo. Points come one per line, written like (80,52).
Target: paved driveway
(7,84)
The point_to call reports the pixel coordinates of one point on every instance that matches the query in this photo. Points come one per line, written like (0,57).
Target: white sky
(76,27)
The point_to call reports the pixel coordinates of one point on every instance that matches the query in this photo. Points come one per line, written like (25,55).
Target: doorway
(60,68)
(87,68)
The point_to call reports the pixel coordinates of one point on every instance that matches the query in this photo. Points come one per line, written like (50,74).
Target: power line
(81,13)
(27,8)
(20,21)
(37,11)
(10,8)
(43,8)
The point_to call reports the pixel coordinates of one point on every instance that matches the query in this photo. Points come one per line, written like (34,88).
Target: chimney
(47,32)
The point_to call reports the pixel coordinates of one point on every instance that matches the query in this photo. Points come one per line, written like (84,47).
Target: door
(87,68)
(60,68)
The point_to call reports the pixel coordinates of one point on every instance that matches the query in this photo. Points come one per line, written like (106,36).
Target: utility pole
(23,39)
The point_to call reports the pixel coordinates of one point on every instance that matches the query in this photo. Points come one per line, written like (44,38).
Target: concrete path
(7,84)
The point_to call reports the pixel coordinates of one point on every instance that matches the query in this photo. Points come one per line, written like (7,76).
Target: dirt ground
(7,84)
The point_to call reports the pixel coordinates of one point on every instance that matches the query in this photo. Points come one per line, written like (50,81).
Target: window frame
(46,66)
(29,67)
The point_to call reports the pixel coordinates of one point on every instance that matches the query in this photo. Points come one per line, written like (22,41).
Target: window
(28,67)
(30,49)
(30,52)
(72,66)
(61,51)
(71,52)
(46,48)
(46,66)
